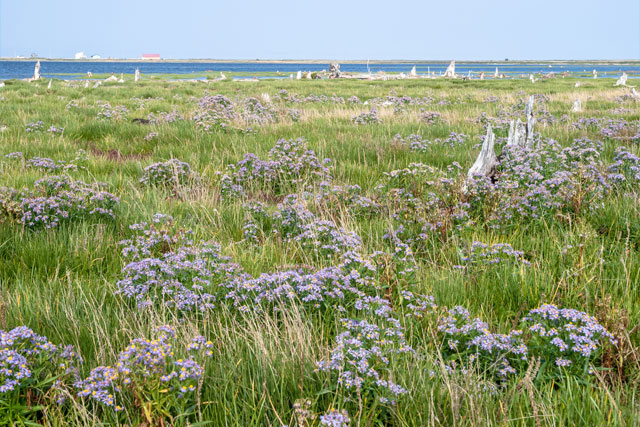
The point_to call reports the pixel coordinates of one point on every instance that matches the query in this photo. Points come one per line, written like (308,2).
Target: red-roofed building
(150,56)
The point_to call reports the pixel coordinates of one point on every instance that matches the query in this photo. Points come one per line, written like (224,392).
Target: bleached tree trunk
(36,71)
(487,160)
(521,134)
(136,77)
(622,81)
(451,70)
(531,120)
(517,134)
(577,106)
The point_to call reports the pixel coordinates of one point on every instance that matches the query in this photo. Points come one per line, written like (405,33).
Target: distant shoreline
(328,61)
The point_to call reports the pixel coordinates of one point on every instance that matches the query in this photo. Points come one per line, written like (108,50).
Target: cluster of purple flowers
(59,199)
(367,117)
(145,368)
(361,356)
(625,168)
(47,164)
(565,338)
(34,127)
(255,112)
(30,362)
(167,268)
(53,129)
(490,254)
(293,221)
(150,136)
(394,100)
(620,130)
(426,202)
(335,418)
(163,117)
(454,139)
(107,112)
(294,115)
(415,142)
(328,196)
(215,112)
(171,173)
(469,344)
(538,182)
(430,117)
(290,163)
(285,96)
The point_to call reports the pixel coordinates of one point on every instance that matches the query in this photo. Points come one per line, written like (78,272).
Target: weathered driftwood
(36,71)
(308,75)
(222,76)
(577,106)
(86,83)
(136,77)
(451,70)
(521,134)
(266,98)
(50,84)
(97,84)
(413,72)
(533,79)
(481,75)
(496,75)
(635,93)
(121,78)
(299,75)
(595,74)
(531,121)
(111,78)
(577,84)
(89,74)
(622,81)
(517,134)
(485,164)
(334,71)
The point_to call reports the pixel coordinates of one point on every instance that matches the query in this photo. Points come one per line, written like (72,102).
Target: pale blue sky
(325,29)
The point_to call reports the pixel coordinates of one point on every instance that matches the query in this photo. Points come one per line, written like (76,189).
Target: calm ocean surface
(73,69)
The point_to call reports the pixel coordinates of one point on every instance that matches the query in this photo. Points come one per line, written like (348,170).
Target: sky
(334,30)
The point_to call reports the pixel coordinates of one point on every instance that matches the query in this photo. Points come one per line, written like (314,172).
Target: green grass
(61,282)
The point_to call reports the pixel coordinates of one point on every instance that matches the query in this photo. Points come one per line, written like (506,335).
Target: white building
(96,57)
(81,55)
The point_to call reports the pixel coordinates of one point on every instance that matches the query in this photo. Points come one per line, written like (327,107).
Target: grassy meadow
(384,225)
